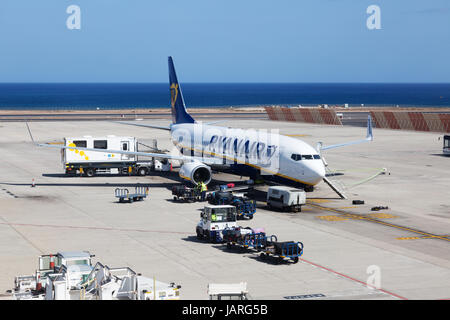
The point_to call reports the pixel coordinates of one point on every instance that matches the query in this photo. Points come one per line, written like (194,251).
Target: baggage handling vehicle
(228,291)
(140,193)
(245,207)
(286,198)
(185,193)
(213,220)
(77,265)
(219,197)
(244,238)
(257,240)
(90,163)
(282,251)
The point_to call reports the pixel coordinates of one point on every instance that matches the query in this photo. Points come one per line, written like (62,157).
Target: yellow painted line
(379,222)
(381,215)
(318,200)
(347,207)
(332,218)
(417,238)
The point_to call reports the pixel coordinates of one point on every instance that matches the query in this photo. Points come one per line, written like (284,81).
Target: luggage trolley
(124,195)
(284,251)
(184,193)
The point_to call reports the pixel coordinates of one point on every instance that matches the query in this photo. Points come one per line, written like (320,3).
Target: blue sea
(86,96)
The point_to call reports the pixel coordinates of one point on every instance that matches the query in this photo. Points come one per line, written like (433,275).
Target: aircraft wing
(145,125)
(206,160)
(369,137)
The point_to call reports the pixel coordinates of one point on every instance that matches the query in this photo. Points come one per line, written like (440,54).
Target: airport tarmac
(345,245)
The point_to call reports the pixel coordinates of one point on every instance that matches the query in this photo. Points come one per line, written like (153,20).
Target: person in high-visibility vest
(203,189)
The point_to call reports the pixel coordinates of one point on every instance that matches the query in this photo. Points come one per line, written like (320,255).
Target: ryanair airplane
(245,152)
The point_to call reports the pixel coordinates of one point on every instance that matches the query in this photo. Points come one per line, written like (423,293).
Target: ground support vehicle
(185,193)
(244,238)
(282,251)
(91,163)
(71,276)
(214,219)
(446,147)
(76,265)
(286,198)
(228,291)
(245,208)
(105,283)
(220,197)
(140,193)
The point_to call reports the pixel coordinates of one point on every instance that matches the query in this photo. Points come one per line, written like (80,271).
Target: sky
(225,41)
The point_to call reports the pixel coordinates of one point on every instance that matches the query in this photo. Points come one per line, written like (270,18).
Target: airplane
(206,147)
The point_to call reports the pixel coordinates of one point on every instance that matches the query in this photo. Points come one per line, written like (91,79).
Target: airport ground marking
(91,228)
(318,200)
(381,215)
(351,278)
(332,218)
(419,238)
(368,218)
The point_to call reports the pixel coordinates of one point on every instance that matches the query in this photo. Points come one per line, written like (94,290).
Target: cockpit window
(298,157)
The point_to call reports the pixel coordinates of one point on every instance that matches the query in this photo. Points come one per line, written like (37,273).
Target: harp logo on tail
(173,94)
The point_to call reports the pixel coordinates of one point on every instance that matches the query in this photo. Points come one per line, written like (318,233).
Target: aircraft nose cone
(317,172)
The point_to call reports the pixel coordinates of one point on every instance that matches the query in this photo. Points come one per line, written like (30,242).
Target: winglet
(369,137)
(369,128)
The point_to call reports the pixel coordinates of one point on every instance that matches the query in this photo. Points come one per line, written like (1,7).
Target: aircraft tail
(179,113)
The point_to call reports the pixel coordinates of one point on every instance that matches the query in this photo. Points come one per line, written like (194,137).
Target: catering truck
(90,163)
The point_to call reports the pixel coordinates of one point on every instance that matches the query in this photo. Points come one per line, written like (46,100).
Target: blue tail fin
(179,113)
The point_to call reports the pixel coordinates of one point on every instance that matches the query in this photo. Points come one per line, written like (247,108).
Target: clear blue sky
(225,41)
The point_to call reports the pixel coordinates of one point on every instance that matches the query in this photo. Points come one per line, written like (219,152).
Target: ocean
(77,96)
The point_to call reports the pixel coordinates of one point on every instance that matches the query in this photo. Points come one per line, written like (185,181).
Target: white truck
(71,276)
(286,198)
(228,291)
(77,265)
(215,219)
(91,163)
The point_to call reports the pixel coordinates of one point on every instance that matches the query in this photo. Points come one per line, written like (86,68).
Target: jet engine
(195,172)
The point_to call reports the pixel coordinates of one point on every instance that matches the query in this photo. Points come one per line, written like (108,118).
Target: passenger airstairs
(334,184)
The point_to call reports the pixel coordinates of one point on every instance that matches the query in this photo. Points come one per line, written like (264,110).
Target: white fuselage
(271,153)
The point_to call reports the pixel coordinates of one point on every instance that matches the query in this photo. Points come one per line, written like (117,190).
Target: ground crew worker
(203,190)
